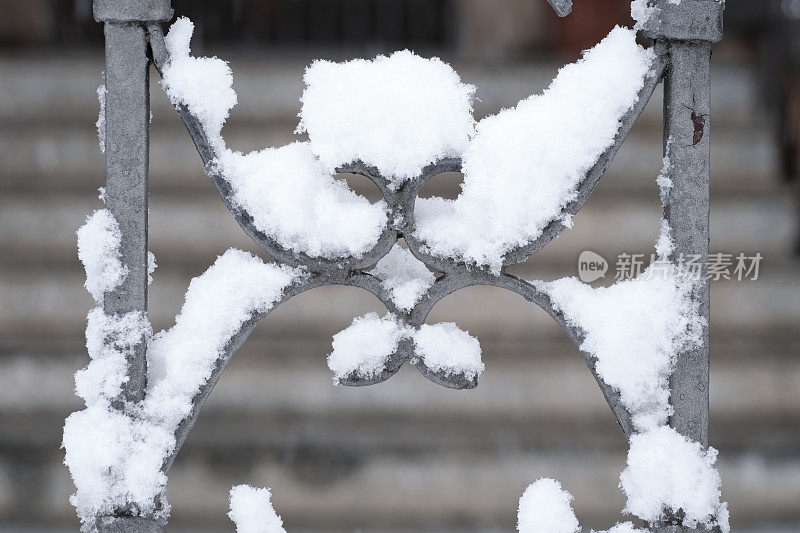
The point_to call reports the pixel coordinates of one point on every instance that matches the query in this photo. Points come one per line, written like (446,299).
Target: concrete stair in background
(404,455)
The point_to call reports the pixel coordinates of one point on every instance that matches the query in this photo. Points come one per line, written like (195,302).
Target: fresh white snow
(668,471)
(545,507)
(625,527)
(524,164)
(114,460)
(521,166)
(397,113)
(404,276)
(665,244)
(635,329)
(109,339)
(444,347)
(288,191)
(203,84)
(252,511)
(101,118)
(365,345)
(641,11)
(151,266)
(98,250)
(293,199)
(218,302)
(114,456)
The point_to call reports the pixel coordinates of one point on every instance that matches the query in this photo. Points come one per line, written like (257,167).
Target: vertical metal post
(127,146)
(687,142)
(686,30)
(127,157)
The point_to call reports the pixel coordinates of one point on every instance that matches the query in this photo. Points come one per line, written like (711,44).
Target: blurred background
(405,455)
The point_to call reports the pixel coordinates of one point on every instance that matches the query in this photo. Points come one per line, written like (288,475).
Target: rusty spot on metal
(699,125)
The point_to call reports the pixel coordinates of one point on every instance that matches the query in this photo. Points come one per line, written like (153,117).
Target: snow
(109,340)
(667,471)
(642,10)
(252,512)
(293,199)
(101,118)
(203,84)
(445,348)
(151,266)
(545,508)
(218,302)
(98,249)
(625,527)
(524,164)
(634,329)
(397,113)
(364,347)
(405,277)
(114,460)
(115,456)
(290,194)
(665,245)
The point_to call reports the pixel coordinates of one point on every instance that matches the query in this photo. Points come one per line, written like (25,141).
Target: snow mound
(445,348)
(634,329)
(98,250)
(295,201)
(203,84)
(218,302)
(364,347)
(524,164)
(545,508)
(290,195)
(397,113)
(667,471)
(115,455)
(252,511)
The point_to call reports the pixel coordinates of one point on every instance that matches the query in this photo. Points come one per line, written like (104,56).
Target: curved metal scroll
(349,271)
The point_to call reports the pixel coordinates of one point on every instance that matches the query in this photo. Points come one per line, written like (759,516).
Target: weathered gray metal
(129,524)
(682,32)
(687,31)
(127,115)
(685,20)
(127,149)
(561,7)
(687,143)
(137,11)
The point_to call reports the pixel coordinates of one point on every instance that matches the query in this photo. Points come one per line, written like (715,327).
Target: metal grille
(682,34)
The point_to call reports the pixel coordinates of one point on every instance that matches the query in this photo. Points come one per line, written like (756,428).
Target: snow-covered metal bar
(127,145)
(126,148)
(687,30)
(687,146)
(683,32)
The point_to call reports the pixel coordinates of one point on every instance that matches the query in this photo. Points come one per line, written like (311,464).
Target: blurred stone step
(51,86)
(48,306)
(58,303)
(40,229)
(66,157)
(280,382)
(444,490)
